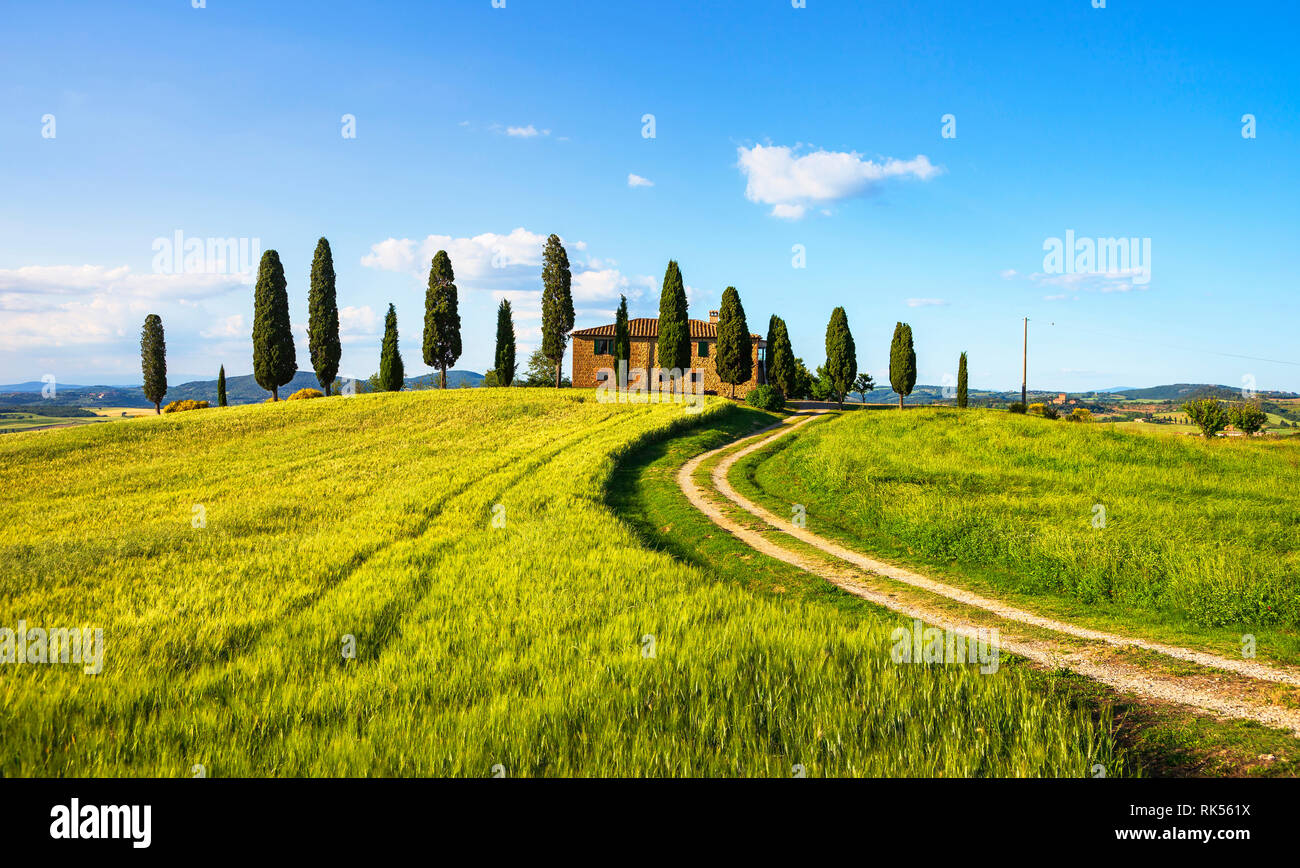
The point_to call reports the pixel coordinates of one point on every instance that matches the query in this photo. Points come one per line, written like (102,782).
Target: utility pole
(1024,370)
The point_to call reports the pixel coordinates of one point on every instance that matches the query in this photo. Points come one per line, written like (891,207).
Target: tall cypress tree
(557,303)
(735,351)
(323,317)
(153,360)
(780,357)
(221,387)
(505,354)
(274,359)
(441,318)
(961,381)
(841,355)
(622,335)
(902,362)
(674,346)
(392,374)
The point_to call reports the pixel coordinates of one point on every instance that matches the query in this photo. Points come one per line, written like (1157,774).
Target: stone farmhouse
(593,349)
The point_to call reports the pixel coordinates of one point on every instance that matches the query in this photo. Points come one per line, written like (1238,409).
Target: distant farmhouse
(593,349)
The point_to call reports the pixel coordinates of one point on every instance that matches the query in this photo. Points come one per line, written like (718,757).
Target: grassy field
(504,617)
(17,421)
(1195,532)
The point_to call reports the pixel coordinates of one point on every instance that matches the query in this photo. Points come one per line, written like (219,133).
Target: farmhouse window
(604,347)
(703,350)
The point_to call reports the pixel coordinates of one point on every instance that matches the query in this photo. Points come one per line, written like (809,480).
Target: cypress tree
(392,373)
(735,350)
(505,354)
(274,359)
(622,335)
(780,357)
(323,317)
(557,303)
(441,318)
(674,346)
(841,355)
(902,362)
(221,387)
(153,360)
(961,381)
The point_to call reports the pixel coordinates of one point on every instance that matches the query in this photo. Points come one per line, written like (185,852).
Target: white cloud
(1008,273)
(471,258)
(527,132)
(638,181)
(777,176)
(356,323)
(605,285)
(61,306)
(925,302)
(228,327)
(1122,280)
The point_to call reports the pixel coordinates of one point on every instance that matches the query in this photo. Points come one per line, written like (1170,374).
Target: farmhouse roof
(648,327)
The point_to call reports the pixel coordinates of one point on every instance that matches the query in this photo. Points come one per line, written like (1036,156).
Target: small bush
(1208,415)
(1035,409)
(303,394)
(182,406)
(1017,407)
(1049,411)
(1079,414)
(767,397)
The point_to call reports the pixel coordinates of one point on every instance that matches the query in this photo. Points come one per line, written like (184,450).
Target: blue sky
(483,130)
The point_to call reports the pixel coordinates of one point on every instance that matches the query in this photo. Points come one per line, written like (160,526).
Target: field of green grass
(16,421)
(505,620)
(1194,531)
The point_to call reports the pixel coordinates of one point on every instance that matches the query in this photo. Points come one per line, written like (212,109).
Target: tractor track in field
(1241,689)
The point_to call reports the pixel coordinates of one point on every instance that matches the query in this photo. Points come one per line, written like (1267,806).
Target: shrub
(1035,409)
(1208,415)
(1049,411)
(1079,414)
(1247,418)
(766,397)
(303,394)
(181,406)
(1017,407)
(490,380)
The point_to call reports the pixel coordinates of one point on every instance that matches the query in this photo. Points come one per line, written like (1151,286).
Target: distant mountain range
(239,390)
(981,397)
(244,390)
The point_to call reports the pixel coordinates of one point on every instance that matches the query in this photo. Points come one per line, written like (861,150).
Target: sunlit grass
(1203,530)
(524,646)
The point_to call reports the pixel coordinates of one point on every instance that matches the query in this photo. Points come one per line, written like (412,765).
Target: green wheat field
(504,620)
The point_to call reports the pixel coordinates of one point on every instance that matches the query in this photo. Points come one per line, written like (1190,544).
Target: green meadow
(435,584)
(1173,529)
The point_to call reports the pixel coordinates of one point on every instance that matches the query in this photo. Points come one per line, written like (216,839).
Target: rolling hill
(239,390)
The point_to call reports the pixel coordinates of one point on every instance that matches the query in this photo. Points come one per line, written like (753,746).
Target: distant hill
(1179,392)
(239,390)
(1186,391)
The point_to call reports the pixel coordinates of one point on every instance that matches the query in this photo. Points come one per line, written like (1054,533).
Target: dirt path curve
(855,573)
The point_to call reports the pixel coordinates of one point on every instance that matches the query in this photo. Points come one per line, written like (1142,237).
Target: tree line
(275,356)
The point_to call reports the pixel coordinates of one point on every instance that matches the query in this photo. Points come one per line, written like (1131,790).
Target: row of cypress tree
(442,340)
(841,368)
(275,361)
